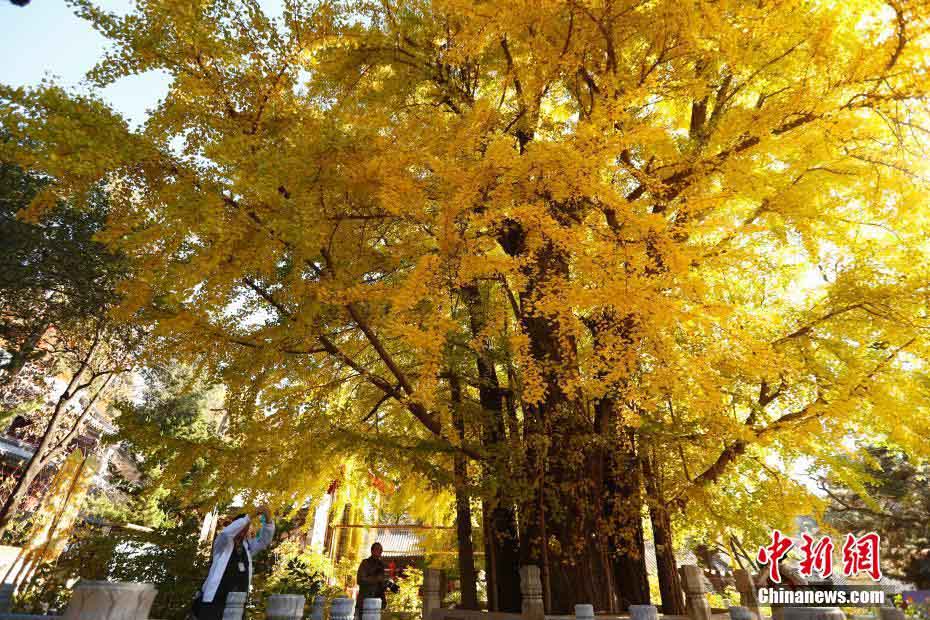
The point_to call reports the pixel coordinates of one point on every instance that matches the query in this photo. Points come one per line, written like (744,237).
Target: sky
(46,40)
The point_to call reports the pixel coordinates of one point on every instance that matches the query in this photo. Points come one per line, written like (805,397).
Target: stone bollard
(105,600)
(319,606)
(740,613)
(431,598)
(235,606)
(583,611)
(6,597)
(285,606)
(692,580)
(531,592)
(342,608)
(748,597)
(890,613)
(371,609)
(812,613)
(644,612)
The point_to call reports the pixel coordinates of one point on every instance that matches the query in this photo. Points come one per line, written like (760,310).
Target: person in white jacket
(231,567)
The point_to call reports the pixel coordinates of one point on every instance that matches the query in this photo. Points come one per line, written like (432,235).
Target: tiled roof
(395,541)
(15,451)
(682,556)
(399,541)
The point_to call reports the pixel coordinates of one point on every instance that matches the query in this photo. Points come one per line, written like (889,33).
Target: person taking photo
(231,565)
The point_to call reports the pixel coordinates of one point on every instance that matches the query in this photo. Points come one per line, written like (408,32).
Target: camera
(391,587)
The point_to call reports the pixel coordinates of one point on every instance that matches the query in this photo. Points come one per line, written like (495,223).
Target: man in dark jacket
(372,578)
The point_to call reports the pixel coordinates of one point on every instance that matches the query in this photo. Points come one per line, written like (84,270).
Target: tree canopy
(53,275)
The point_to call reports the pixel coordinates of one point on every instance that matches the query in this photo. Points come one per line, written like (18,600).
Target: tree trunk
(565,465)
(490,579)
(46,450)
(19,493)
(619,468)
(563,524)
(502,557)
(502,563)
(37,461)
(466,551)
(625,516)
(669,580)
(667,567)
(506,559)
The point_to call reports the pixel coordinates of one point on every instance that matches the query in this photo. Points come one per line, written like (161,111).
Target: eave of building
(14,451)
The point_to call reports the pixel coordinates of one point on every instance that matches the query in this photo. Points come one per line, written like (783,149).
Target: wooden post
(531,592)
(692,579)
(746,587)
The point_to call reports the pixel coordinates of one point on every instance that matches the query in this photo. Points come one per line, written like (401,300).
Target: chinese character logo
(860,555)
(774,553)
(817,557)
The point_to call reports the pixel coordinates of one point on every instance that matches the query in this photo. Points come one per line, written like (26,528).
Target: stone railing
(693,583)
(445,613)
(464,614)
(695,588)
(102,600)
(98,600)
(121,601)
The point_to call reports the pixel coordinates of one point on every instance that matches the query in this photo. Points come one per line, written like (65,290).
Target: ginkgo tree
(585,259)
